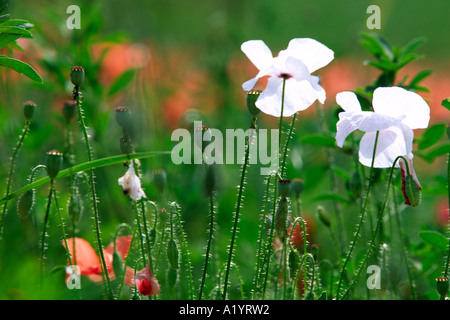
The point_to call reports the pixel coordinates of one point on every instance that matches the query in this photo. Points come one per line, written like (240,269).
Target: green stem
(286,147)
(208,248)
(374,235)
(236,217)
(93,193)
(10,175)
(447,263)
(138,225)
(44,229)
(358,230)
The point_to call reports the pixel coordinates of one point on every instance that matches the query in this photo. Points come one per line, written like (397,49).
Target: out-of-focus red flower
(146,282)
(441,213)
(84,256)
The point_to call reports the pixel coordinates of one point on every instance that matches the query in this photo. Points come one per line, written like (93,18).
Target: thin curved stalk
(358,229)
(208,248)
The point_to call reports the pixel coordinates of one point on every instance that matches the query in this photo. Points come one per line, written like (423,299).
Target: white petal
(392,143)
(402,104)
(366,121)
(314,54)
(131,184)
(300,95)
(258,53)
(348,101)
(269,101)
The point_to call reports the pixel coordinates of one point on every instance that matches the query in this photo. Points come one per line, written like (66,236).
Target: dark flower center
(285,76)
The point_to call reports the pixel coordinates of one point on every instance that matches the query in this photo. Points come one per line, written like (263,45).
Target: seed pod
(252,96)
(172,253)
(54,162)
(77,76)
(25,204)
(28,109)
(296,187)
(284,187)
(69,109)
(124,118)
(442,286)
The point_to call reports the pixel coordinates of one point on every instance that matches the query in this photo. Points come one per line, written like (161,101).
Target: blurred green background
(188,66)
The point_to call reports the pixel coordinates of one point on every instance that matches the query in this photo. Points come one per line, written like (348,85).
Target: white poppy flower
(131,184)
(295,64)
(396,112)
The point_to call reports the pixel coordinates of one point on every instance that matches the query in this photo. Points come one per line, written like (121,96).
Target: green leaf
(419,77)
(122,81)
(432,135)
(320,140)
(434,238)
(20,67)
(15,30)
(446,103)
(7,38)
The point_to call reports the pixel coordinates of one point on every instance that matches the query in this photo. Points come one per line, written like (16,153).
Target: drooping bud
(410,184)
(69,109)
(252,96)
(172,253)
(117,265)
(281,217)
(28,109)
(125,119)
(284,187)
(442,286)
(297,187)
(323,216)
(159,179)
(293,261)
(25,204)
(53,162)
(77,75)
(172,276)
(146,283)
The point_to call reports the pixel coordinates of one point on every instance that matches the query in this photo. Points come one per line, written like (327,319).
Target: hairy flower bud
(281,217)
(77,75)
(172,253)
(410,184)
(25,204)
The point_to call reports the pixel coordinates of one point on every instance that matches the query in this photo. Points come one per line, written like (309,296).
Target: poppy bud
(77,75)
(284,187)
(172,253)
(124,119)
(293,261)
(69,109)
(323,216)
(53,162)
(172,276)
(252,96)
(442,286)
(297,187)
(117,265)
(410,184)
(146,283)
(25,204)
(159,179)
(281,217)
(28,109)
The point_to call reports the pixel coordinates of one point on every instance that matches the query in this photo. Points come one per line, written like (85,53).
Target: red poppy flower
(146,282)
